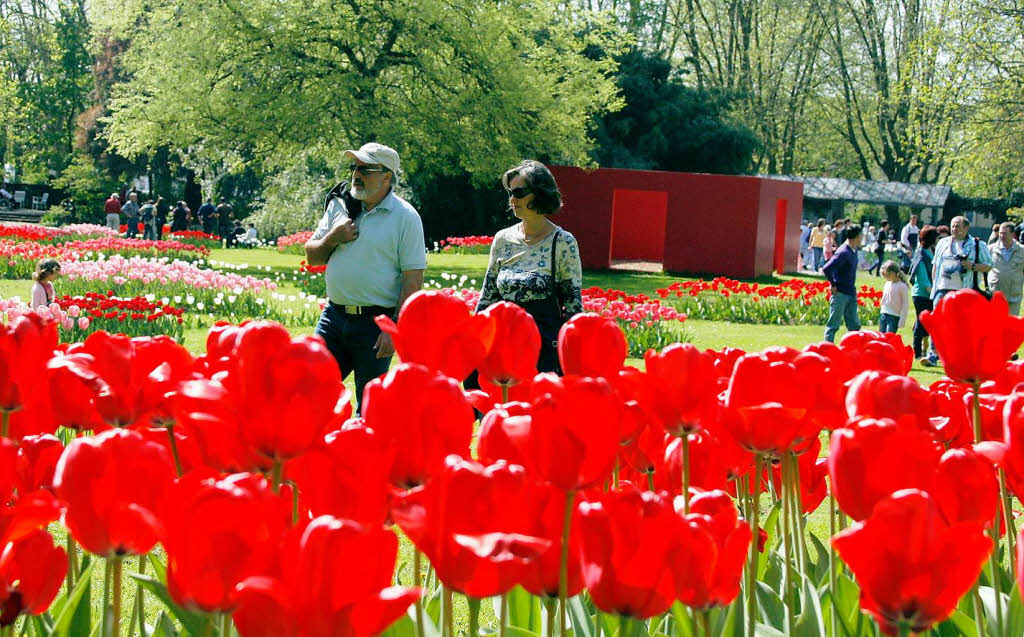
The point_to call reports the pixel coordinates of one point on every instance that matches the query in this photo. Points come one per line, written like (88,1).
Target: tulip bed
(791,302)
(669,501)
(196,238)
(294,243)
(466,245)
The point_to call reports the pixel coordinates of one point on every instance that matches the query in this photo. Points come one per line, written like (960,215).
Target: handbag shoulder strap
(554,265)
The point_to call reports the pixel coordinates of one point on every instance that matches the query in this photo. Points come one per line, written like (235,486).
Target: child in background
(47,271)
(829,244)
(895,298)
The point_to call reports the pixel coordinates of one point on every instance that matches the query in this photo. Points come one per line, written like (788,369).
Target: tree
(455,86)
(667,125)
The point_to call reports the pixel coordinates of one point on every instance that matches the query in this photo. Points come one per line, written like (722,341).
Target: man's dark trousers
(350,338)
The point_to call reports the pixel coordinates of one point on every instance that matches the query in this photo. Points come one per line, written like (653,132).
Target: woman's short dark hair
(546,197)
(929,237)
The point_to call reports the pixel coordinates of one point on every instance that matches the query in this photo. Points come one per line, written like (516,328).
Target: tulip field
(179,456)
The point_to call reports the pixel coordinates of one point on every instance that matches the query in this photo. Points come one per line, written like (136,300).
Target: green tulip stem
(796,507)
(174,449)
(650,481)
(979,618)
(115,604)
(5,422)
(832,579)
(504,393)
(503,615)
(686,474)
(105,615)
(1011,524)
(755,513)
(474,616)
(449,622)
(904,629)
(417,564)
(563,563)
(787,548)
(72,562)
(705,622)
(550,606)
(140,600)
(225,625)
(208,626)
(623,625)
(615,475)
(275,476)
(993,558)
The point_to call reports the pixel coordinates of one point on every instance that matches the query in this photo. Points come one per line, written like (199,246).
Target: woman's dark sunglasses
(365,170)
(519,192)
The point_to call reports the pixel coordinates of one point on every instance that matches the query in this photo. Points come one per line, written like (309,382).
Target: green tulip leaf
(773,610)
(164,627)
(190,621)
(65,623)
(684,621)
(579,617)
(811,622)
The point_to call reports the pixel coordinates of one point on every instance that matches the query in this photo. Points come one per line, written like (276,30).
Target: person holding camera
(372,243)
(960,262)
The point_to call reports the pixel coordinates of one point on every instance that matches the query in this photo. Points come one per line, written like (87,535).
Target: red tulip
(73,386)
(133,374)
(912,566)
(685,387)
(37,462)
(813,470)
(547,516)
(114,484)
(31,573)
(966,488)
(871,459)
(591,345)
(974,337)
(30,512)
(8,468)
(276,374)
(316,594)
(497,440)
(347,477)
(870,350)
(26,344)
(436,330)
(628,538)
(219,532)
(1013,435)
(570,437)
(825,382)
(877,394)
(421,414)
(709,468)
(950,423)
(770,404)
(513,356)
(712,551)
(479,546)
(991,408)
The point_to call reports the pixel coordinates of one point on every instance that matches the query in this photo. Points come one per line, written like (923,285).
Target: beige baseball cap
(374,153)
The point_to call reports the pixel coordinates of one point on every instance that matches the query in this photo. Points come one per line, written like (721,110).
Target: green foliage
(667,125)
(86,186)
(452,85)
(293,198)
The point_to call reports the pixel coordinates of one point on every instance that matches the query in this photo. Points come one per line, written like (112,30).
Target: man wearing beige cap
(372,242)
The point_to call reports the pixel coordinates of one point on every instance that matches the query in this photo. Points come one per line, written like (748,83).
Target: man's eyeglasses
(365,170)
(519,192)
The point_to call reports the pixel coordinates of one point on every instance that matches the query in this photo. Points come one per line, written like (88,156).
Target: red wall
(714,224)
(638,224)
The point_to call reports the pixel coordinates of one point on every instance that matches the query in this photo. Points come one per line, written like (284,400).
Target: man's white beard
(358,193)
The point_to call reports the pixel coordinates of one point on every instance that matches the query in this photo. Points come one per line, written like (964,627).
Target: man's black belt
(363,310)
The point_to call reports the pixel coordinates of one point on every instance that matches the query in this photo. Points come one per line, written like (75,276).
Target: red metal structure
(740,227)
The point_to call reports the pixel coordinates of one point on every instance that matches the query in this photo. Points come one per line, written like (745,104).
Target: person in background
(805,244)
(130,210)
(895,299)
(1007,273)
(840,230)
(179,218)
(372,243)
(828,246)
(817,242)
(7,196)
(146,214)
(868,246)
(908,241)
(225,222)
(251,238)
(112,207)
(43,293)
(535,263)
(163,208)
(921,282)
(958,262)
(841,273)
(883,239)
(943,231)
(207,215)
(994,235)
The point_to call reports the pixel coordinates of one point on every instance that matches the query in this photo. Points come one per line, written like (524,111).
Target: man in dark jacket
(841,272)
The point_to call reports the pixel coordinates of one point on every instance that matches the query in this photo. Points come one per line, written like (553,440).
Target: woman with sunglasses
(535,263)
